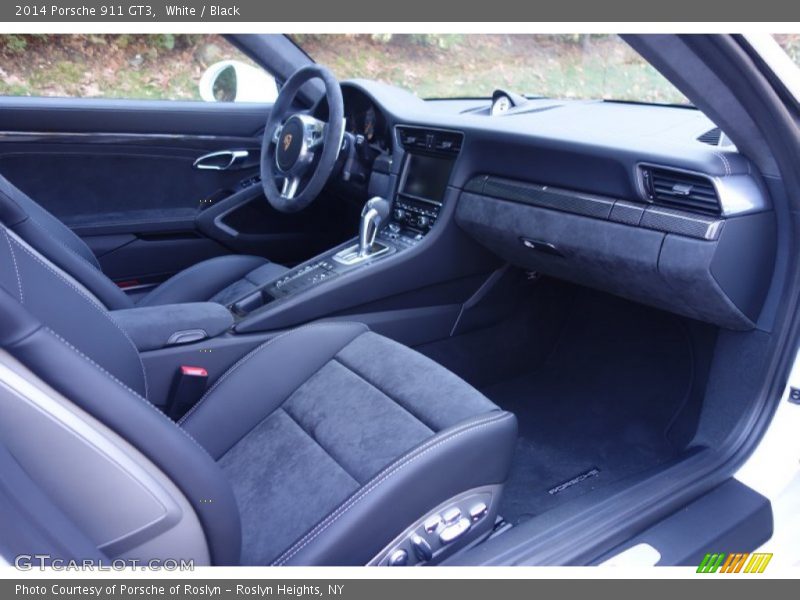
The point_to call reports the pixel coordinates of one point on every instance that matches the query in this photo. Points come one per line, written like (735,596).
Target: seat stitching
(93,302)
(255,351)
(16,266)
(44,229)
(126,388)
(317,442)
(383,392)
(382,477)
(282,403)
(725,162)
(63,244)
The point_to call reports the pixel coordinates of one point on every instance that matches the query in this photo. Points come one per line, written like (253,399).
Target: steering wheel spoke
(314,131)
(291,183)
(276,134)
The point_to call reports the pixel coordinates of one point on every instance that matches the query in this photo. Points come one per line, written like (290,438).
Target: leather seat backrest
(54,240)
(60,331)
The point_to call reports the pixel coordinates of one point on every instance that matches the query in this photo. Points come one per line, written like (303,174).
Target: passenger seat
(326,445)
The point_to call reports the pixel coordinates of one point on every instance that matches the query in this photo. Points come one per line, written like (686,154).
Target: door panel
(247,222)
(115,186)
(121,174)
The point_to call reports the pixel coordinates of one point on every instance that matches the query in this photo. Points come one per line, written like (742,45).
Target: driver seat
(222,279)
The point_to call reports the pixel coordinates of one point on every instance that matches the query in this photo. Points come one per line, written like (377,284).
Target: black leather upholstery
(58,243)
(318,447)
(464,456)
(218,279)
(93,385)
(68,310)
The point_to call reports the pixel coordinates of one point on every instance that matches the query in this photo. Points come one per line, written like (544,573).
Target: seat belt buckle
(189,386)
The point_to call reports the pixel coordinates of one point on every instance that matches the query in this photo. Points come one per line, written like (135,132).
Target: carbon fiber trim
(657,218)
(681,223)
(626,213)
(544,196)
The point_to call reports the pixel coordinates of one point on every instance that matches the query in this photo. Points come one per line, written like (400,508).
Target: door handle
(222,160)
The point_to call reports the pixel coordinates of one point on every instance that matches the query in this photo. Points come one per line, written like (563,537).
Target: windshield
(580,66)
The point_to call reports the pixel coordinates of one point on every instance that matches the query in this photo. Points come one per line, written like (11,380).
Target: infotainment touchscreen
(426,177)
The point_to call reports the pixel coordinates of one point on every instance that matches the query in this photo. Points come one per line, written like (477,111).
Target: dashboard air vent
(678,189)
(712,137)
(433,141)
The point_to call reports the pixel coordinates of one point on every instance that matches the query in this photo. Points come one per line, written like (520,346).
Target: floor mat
(597,408)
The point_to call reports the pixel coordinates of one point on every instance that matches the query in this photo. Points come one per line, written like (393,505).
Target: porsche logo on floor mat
(593,472)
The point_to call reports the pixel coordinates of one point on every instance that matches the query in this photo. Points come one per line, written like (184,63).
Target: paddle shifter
(374,215)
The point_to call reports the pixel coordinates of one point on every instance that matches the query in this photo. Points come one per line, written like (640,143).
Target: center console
(408,284)
(387,228)
(428,162)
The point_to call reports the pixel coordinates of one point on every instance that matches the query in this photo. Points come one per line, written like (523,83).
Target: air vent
(678,189)
(712,137)
(433,141)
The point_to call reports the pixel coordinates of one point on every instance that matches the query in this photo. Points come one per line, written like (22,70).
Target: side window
(203,68)
(790,42)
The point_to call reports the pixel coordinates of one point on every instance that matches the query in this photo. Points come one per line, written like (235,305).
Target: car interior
(357,327)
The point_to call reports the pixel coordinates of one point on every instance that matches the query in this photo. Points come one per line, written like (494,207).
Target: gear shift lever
(374,214)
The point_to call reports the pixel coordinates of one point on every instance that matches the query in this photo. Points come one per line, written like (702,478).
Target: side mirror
(235,81)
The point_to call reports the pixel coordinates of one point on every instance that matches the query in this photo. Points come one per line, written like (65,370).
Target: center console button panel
(415,214)
(303,278)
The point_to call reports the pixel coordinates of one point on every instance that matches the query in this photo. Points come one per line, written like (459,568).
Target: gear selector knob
(374,214)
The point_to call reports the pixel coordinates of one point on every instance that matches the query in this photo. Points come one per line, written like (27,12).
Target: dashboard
(636,200)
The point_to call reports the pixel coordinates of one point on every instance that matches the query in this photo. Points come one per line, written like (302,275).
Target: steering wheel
(299,148)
